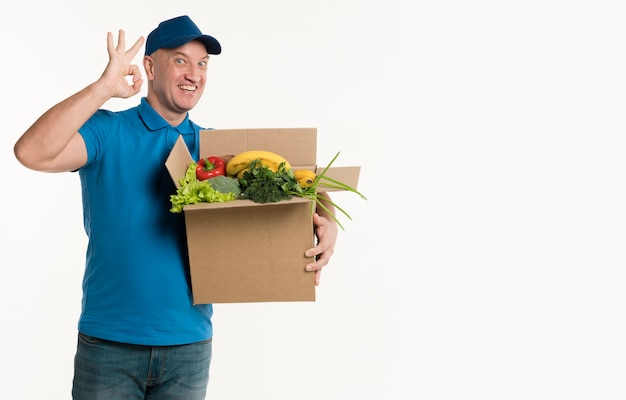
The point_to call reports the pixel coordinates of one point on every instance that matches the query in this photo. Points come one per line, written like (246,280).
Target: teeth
(188,87)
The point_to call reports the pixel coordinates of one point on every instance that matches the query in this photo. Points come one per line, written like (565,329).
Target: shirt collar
(155,122)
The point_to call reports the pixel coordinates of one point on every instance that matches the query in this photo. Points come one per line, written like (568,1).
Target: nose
(194,73)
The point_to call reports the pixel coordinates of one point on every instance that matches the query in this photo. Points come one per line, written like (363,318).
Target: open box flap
(178,161)
(347,175)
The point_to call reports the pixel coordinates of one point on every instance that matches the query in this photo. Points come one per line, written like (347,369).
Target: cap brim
(211,44)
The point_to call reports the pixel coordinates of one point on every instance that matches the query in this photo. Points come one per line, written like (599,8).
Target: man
(140,336)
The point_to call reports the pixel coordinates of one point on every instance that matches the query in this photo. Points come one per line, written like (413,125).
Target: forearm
(42,146)
(52,143)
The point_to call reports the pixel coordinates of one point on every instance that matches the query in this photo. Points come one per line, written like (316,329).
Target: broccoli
(225,184)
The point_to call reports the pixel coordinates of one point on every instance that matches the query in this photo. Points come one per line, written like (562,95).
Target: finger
(132,52)
(133,70)
(313,266)
(312,252)
(318,275)
(110,44)
(316,219)
(136,77)
(121,41)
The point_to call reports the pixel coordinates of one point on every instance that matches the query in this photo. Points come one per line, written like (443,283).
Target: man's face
(177,78)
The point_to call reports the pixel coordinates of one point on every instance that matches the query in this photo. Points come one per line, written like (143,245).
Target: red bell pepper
(210,167)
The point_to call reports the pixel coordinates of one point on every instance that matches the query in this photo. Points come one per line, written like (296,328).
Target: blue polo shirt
(136,284)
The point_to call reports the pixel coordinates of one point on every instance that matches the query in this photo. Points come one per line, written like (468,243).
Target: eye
(179,61)
(202,64)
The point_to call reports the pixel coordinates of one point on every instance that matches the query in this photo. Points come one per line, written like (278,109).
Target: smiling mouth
(188,88)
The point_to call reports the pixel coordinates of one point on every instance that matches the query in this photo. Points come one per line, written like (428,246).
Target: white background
(488,261)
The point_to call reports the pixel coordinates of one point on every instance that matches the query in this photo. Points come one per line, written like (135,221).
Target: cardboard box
(255,252)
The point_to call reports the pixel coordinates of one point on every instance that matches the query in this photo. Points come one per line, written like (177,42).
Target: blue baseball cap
(176,32)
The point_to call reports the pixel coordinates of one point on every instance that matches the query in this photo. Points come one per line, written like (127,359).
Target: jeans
(105,370)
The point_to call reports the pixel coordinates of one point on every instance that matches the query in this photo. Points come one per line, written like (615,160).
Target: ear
(148,65)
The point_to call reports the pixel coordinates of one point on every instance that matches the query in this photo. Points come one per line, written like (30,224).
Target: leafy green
(192,191)
(262,185)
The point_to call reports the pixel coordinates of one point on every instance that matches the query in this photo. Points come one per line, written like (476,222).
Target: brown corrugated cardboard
(255,252)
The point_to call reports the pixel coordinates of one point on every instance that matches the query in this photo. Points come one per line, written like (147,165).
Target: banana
(240,173)
(241,161)
(305,177)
